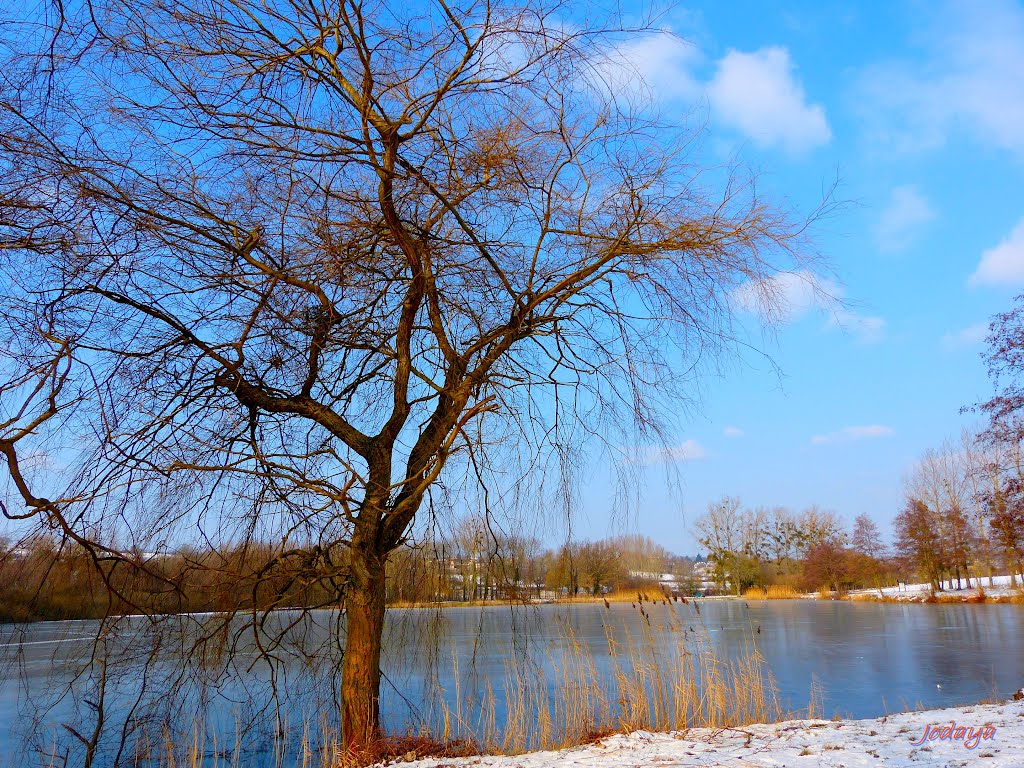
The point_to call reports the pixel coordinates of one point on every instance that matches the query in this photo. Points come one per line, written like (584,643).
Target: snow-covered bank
(997,740)
(995,589)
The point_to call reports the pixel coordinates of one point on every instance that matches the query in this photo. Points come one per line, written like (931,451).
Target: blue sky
(918,109)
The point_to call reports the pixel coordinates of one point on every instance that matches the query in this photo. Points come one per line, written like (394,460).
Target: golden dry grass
(772,592)
(660,676)
(650,594)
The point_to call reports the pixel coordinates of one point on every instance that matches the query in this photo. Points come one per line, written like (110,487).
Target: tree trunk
(360,671)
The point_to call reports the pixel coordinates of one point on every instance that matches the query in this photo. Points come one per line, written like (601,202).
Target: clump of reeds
(657,675)
(869,597)
(772,592)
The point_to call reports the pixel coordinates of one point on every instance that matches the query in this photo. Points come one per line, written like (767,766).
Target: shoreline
(951,736)
(948,597)
(912,594)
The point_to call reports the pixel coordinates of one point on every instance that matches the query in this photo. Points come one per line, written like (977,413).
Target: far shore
(1002,593)
(999,591)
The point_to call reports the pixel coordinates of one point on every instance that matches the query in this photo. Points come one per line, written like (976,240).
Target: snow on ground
(988,735)
(1000,587)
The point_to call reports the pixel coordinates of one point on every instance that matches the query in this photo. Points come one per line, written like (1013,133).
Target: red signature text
(970,736)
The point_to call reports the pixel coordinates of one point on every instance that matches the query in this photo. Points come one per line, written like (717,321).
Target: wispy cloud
(733,432)
(849,434)
(654,67)
(904,216)
(1004,263)
(966,337)
(788,296)
(969,79)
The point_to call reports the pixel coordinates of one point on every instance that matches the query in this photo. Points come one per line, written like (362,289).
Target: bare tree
(600,565)
(918,542)
(273,269)
(978,460)
(1004,358)
(817,526)
(735,539)
(941,480)
(866,538)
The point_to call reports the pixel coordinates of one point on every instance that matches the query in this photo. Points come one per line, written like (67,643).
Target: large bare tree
(272,269)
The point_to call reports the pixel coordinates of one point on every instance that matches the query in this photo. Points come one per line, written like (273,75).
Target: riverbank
(1001,593)
(989,734)
(998,589)
(995,589)
(633,595)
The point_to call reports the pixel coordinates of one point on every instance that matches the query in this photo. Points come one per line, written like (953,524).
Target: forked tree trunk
(360,671)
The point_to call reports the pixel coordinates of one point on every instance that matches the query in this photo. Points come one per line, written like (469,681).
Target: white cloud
(733,432)
(905,214)
(757,94)
(966,337)
(969,80)
(1003,264)
(849,434)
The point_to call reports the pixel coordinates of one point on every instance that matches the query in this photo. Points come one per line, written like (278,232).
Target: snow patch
(850,743)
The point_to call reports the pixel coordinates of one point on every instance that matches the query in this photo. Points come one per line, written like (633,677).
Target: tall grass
(658,674)
(772,592)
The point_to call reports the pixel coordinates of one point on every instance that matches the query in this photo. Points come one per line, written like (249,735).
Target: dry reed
(660,676)
(772,592)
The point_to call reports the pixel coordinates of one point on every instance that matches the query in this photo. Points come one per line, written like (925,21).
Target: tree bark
(360,673)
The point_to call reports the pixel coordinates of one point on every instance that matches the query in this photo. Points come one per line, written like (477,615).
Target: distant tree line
(42,578)
(45,578)
(805,551)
